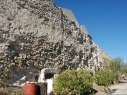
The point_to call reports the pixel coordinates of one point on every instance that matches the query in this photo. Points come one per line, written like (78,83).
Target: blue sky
(105,20)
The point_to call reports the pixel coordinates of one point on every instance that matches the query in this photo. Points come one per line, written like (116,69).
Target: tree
(116,64)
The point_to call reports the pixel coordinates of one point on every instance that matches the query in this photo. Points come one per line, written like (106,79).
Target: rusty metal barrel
(30,89)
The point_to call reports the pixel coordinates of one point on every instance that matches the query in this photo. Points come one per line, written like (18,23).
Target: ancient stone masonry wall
(36,34)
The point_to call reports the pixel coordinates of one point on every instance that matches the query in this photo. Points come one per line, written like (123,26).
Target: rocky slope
(36,34)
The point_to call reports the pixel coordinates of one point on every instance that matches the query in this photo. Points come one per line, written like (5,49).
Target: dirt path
(119,89)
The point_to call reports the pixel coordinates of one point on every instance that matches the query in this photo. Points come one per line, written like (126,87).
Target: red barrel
(30,89)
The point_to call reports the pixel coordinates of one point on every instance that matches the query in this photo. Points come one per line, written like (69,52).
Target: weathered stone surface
(36,34)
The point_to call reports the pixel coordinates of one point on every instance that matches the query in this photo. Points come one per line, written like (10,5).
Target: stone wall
(36,34)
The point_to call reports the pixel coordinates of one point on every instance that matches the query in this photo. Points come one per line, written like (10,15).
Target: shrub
(105,77)
(73,82)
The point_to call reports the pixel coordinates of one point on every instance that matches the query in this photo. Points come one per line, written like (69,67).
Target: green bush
(105,77)
(73,82)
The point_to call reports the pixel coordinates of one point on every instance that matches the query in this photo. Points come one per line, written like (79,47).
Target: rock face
(36,34)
